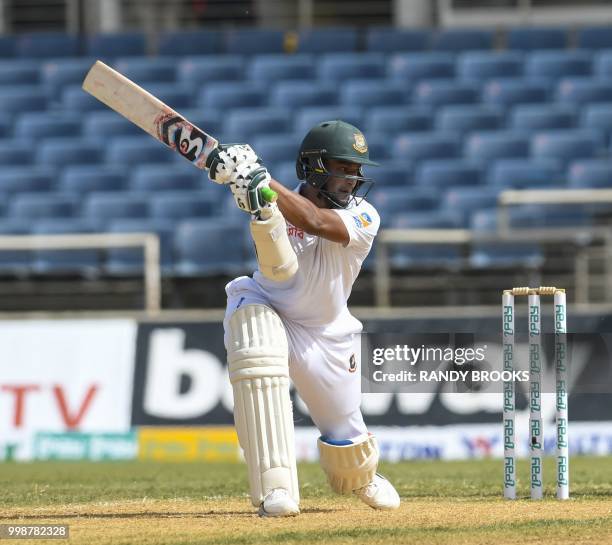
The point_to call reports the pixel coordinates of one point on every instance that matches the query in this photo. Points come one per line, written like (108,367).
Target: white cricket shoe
(278,503)
(379,494)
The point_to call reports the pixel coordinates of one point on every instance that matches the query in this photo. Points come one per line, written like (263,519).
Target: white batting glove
(222,162)
(250,185)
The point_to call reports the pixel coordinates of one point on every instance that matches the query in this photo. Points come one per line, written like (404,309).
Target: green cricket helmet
(334,140)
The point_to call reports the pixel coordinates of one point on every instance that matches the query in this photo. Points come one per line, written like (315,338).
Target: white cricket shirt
(317,294)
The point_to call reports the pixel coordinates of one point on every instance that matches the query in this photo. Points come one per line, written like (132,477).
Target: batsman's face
(338,183)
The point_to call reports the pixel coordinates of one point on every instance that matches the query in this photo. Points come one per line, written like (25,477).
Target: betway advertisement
(116,389)
(63,376)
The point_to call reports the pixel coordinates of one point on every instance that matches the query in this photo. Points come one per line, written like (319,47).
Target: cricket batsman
(290,320)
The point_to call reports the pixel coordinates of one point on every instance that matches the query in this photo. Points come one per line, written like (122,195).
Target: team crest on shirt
(362,220)
(352,364)
(360,143)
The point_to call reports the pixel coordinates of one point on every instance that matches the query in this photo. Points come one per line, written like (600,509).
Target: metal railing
(525,12)
(148,241)
(582,239)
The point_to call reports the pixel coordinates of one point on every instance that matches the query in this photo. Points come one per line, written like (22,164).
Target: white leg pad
(349,467)
(275,255)
(259,372)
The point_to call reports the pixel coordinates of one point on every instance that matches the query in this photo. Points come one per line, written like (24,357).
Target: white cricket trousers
(325,372)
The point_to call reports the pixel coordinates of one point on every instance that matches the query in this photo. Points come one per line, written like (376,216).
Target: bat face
(180,135)
(149,113)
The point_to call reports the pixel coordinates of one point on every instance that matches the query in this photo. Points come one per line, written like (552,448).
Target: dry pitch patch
(205,504)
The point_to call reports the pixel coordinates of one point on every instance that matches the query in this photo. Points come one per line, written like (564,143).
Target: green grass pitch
(200,503)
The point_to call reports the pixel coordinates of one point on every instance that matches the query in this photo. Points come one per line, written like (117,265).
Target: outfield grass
(442,502)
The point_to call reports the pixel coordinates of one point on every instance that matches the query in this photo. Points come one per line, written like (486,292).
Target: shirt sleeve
(362,224)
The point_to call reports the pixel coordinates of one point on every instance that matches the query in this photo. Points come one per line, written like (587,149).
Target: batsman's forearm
(296,209)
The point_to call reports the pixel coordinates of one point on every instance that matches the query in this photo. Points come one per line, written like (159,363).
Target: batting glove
(222,163)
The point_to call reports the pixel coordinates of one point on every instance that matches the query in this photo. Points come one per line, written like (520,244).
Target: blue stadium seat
(444,174)
(147,69)
(47,124)
(132,150)
(61,152)
(510,91)
(566,145)
(56,74)
(393,119)
(199,72)
(182,205)
(198,251)
(241,124)
(488,255)
(421,146)
(558,64)
(83,179)
(591,173)
(437,93)
(16,152)
(116,44)
(103,207)
(481,66)
(179,43)
(463,119)
(8,46)
(579,91)
(390,174)
(535,117)
(465,200)
(531,216)
(74,99)
(338,67)
(603,64)
(254,41)
(102,126)
(150,178)
(324,40)
(46,45)
(525,174)
(278,147)
(368,93)
(230,95)
(178,96)
(486,146)
(265,69)
(284,172)
(129,261)
(309,116)
(594,37)
(21,72)
(393,201)
(392,39)
(29,179)
(6,124)
(598,116)
(413,67)
(379,146)
(462,40)
(431,219)
(83,262)
(297,94)
(211,122)
(528,38)
(22,98)
(36,206)
(424,256)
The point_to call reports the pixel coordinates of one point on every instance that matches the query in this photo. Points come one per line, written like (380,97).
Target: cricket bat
(153,116)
